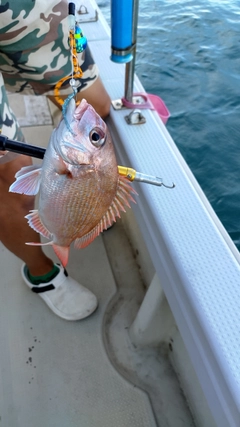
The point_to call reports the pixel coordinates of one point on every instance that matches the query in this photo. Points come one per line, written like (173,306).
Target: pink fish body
(80,190)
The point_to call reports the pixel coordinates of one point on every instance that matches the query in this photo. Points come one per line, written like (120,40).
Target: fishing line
(77,44)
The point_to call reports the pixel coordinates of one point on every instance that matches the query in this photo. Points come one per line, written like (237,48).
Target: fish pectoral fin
(27,180)
(62,253)
(35,222)
(122,198)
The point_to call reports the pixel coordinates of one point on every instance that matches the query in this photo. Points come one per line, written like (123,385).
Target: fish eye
(97,137)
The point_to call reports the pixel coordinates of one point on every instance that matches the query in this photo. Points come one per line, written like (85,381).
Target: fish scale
(81,191)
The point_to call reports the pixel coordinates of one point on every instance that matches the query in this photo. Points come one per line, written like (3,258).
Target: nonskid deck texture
(57,373)
(64,374)
(54,372)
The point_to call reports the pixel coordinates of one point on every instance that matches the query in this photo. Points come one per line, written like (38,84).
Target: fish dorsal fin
(123,195)
(122,198)
(35,222)
(27,180)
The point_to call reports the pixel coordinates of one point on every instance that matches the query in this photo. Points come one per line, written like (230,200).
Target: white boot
(64,296)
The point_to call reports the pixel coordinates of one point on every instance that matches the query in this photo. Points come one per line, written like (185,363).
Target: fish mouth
(71,151)
(81,109)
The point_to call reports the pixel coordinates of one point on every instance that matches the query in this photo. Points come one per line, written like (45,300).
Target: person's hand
(2,153)
(7,156)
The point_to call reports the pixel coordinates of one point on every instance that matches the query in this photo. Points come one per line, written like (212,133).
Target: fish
(81,192)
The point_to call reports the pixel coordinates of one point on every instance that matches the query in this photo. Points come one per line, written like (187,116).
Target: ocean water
(188,53)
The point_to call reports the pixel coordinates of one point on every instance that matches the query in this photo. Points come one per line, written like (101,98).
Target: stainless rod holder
(130,66)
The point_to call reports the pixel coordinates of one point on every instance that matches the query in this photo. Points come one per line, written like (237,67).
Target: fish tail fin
(62,253)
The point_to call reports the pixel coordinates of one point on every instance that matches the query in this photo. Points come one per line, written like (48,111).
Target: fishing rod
(21,148)
(7,144)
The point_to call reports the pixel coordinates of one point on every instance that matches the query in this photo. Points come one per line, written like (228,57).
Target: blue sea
(188,53)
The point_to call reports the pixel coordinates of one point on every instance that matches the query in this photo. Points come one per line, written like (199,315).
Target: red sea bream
(80,190)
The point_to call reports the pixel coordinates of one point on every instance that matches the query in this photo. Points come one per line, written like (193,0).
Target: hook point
(169,186)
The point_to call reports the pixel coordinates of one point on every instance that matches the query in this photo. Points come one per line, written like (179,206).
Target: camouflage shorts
(34,54)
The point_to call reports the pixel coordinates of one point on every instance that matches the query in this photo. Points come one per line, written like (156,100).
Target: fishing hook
(64,109)
(133,175)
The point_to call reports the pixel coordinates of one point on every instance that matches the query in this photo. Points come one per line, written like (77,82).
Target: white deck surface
(56,373)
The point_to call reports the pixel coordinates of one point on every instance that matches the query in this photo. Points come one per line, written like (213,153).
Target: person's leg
(65,297)
(15,230)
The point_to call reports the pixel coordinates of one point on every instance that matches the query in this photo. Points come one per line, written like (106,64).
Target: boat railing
(197,265)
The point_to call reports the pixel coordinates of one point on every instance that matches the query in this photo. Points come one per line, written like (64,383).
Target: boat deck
(89,373)
(64,374)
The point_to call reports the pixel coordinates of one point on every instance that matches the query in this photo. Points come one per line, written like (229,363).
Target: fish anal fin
(35,222)
(88,238)
(27,180)
(62,253)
